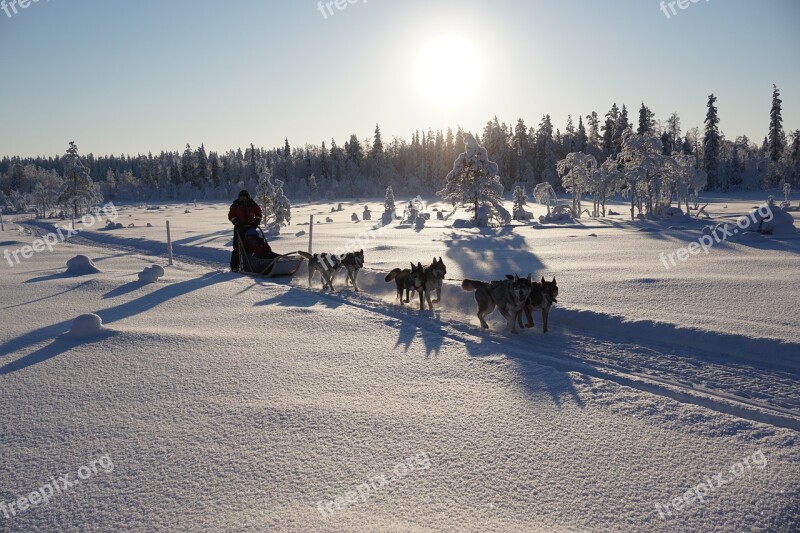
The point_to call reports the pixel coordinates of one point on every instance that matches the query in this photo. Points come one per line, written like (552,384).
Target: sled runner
(268,266)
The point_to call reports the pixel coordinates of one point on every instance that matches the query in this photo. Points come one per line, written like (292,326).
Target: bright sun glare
(449,71)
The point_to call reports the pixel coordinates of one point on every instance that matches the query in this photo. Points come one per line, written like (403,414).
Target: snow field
(228,403)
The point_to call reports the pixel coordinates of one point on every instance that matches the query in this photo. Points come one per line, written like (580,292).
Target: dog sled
(268,266)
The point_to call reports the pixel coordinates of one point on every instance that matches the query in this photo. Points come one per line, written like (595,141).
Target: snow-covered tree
(265,192)
(313,188)
(603,183)
(690,179)
(711,144)
(520,201)
(388,203)
(47,185)
(776,137)
(648,172)
(575,171)
(281,207)
(545,194)
(277,210)
(474,183)
(79,192)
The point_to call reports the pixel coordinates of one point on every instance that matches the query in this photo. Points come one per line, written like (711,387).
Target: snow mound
(85,326)
(769,220)
(80,265)
(151,274)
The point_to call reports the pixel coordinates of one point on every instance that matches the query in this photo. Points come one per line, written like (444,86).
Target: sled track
(531,348)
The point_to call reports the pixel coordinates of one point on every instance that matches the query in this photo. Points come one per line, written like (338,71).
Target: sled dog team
(512,296)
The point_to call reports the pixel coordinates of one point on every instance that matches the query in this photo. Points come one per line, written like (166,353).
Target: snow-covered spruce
(473,183)
(277,210)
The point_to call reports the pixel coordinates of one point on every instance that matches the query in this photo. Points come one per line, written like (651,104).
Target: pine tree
(313,188)
(580,137)
(354,151)
(612,117)
(646,121)
(777,139)
(188,164)
(711,144)
(282,208)
(377,145)
(520,201)
(388,203)
(593,142)
(80,192)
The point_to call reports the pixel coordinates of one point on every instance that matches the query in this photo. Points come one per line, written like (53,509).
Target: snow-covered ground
(227,403)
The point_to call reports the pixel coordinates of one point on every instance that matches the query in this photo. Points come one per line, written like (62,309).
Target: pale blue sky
(122,76)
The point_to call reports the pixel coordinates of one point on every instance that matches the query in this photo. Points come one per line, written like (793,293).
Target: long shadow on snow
(478,254)
(483,346)
(109,316)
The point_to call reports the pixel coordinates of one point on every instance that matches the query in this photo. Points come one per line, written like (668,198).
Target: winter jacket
(247,213)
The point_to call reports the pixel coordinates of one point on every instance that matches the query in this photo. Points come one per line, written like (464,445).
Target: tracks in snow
(685,375)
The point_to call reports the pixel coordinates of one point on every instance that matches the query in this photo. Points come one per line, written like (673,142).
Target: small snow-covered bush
(768,219)
(151,274)
(561,213)
(85,326)
(80,265)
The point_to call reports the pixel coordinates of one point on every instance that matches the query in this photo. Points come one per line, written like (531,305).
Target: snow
(228,403)
(80,265)
(86,326)
(151,274)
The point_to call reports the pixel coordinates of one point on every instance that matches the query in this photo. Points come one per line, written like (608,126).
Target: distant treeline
(525,155)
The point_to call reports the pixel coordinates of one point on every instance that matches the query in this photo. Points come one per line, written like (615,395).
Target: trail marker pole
(311,235)
(169,244)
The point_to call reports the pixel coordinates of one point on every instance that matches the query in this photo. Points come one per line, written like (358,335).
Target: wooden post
(311,235)
(2,226)
(169,245)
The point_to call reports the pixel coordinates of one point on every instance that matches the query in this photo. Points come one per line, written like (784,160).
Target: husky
(543,296)
(353,262)
(423,282)
(328,265)
(509,296)
(437,271)
(402,278)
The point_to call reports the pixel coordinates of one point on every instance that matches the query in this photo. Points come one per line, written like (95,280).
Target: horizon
(265,72)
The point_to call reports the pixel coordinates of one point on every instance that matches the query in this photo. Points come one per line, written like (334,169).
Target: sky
(121,76)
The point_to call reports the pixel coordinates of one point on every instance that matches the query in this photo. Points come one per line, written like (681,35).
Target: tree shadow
(491,253)
(301,298)
(48,297)
(59,345)
(125,310)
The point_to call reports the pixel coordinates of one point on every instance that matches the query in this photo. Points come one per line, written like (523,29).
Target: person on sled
(244,214)
(257,246)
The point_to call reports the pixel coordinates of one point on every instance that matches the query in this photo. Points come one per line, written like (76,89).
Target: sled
(285,265)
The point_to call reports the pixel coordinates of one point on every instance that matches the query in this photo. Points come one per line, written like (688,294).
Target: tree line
(525,155)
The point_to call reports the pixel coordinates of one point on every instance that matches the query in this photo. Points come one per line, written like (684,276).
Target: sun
(449,71)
